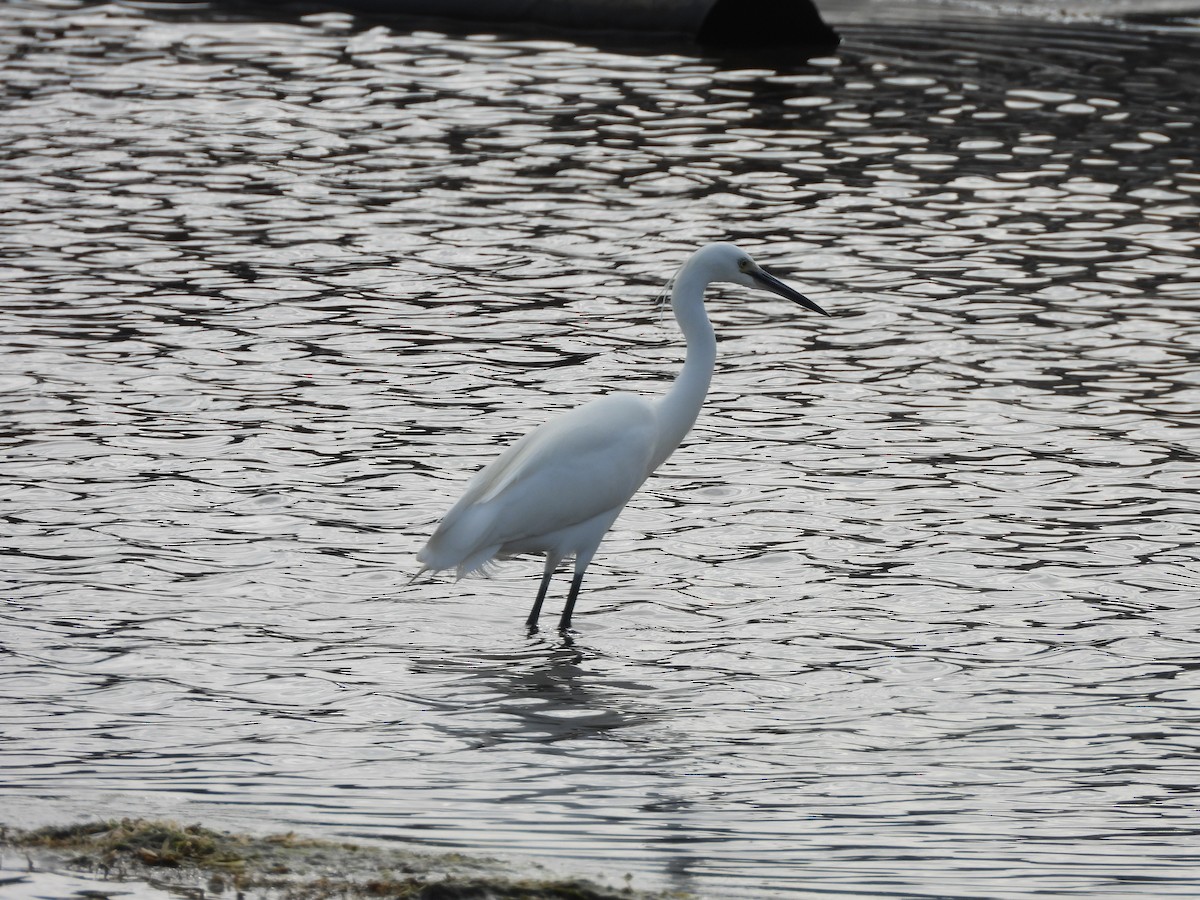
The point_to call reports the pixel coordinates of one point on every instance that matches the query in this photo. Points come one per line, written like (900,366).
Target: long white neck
(677,410)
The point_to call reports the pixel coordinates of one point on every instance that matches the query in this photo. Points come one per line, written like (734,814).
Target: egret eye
(743,264)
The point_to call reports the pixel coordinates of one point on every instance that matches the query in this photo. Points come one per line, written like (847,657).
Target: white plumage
(559,489)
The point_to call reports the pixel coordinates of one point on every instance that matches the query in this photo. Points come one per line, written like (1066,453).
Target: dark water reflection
(913,613)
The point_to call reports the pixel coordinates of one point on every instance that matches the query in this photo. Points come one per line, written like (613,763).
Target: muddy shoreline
(199,862)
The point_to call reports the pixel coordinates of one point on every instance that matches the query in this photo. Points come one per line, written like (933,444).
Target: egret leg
(581,564)
(551,565)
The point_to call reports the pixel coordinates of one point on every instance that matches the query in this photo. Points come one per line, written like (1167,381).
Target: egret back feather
(567,471)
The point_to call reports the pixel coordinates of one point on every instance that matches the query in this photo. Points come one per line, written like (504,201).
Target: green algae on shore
(202,862)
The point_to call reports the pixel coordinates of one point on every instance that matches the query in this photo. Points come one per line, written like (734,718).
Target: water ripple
(912,611)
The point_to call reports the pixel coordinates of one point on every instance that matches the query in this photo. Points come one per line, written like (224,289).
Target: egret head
(728,262)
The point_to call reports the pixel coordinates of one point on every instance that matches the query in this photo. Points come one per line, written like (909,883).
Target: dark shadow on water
(719,40)
(545,690)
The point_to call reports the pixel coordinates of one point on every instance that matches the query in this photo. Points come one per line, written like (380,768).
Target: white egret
(560,488)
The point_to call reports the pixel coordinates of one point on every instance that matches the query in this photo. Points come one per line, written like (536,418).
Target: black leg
(565,622)
(531,622)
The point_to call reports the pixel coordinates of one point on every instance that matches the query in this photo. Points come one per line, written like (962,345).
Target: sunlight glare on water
(913,612)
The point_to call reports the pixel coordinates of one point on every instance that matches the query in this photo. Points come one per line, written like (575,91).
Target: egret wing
(571,469)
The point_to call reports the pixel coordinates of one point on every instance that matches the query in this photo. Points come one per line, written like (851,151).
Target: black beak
(771,283)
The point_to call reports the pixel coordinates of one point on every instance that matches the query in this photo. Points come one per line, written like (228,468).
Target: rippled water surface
(912,613)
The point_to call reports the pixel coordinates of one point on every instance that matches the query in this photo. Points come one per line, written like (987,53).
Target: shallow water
(18,884)
(912,613)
